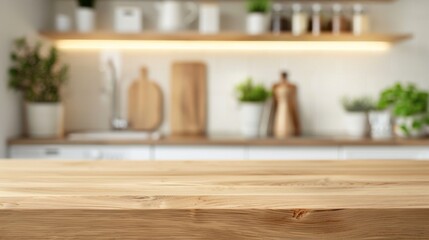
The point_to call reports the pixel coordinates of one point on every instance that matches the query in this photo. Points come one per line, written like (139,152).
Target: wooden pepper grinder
(285,119)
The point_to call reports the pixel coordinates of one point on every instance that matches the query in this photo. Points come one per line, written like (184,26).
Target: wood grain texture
(231,36)
(214,200)
(145,104)
(188,101)
(232,141)
(216,224)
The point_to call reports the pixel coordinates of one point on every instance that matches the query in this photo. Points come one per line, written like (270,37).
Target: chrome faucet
(116,121)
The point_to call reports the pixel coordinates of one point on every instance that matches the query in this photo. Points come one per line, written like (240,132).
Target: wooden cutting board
(188,111)
(145,104)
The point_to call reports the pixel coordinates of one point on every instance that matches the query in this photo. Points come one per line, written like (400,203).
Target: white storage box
(128,19)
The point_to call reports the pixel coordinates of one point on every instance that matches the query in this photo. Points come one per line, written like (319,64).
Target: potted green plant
(409,106)
(257,16)
(380,121)
(38,74)
(85,16)
(357,115)
(380,117)
(252,98)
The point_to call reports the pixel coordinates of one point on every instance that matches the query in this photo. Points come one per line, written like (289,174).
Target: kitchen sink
(113,135)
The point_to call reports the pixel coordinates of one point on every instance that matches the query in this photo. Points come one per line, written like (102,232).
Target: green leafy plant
(258,6)
(361,104)
(86,3)
(417,123)
(405,100)
(389,96)
(38,74)
(247,91)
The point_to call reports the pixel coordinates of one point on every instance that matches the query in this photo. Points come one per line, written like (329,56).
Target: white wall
(17,18)
(322,78)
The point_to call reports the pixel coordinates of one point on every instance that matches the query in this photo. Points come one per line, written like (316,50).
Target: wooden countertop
(233,141)
(214,200)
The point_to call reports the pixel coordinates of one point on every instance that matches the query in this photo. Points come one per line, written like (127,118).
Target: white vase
(250,116)
(407,122)
(357,124)
(381,124)
(85,19)
(256,23)
(45,120)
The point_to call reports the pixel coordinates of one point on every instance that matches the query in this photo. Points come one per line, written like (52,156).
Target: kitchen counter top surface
(215,200)
(211,184)
(233,140)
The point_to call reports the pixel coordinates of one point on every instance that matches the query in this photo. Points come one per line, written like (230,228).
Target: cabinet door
(385,153)
(293,153)
(80,152)
(46,152)
(134,153)
(199,153)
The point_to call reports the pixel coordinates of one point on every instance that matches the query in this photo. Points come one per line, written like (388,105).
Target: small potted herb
(380,120)
(85,16)
(38,74)
(252,98)
(257,16)
(409,105)
(380,117)
(357,115)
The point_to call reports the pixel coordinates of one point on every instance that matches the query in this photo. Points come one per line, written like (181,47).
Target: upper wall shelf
(388,38)
(225,41)
(304,1)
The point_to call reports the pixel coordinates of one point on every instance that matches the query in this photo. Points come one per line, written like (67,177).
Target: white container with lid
(128,19)
(209,20)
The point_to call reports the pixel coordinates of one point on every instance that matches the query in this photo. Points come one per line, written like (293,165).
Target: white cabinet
(199,153)
(293,153)
(385,153)
(80,152)
(220,152)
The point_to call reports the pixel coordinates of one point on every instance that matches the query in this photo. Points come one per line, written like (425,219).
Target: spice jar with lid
(299,20)
(360,20)
(339,23)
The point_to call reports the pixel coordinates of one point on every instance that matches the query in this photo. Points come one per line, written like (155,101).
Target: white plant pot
(250,115)
(408,123)
(85,19)
(45,120)
(381,124)
(256,23)
(357,124)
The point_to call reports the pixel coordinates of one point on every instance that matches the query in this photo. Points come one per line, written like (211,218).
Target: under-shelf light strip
(222,45)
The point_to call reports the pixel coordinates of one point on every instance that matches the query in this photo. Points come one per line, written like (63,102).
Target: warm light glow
(223,45)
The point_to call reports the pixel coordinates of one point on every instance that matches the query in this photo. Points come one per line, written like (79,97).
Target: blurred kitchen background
(322,77)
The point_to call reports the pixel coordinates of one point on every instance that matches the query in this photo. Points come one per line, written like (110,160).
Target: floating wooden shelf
(151,36)
(305,1)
